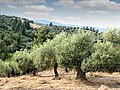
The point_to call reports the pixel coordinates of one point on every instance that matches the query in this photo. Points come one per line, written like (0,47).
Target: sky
(96,13)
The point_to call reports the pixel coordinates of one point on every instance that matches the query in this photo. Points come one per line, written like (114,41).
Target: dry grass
(103,81)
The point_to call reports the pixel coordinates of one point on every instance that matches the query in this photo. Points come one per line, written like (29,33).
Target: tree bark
(55,69)
(34,73)
(8,75)
(81,75)
(66,70)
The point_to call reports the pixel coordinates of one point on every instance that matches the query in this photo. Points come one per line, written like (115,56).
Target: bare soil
(44,81)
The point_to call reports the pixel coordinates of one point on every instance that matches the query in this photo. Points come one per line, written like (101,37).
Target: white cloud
(11,6)
(65,2)
(98,12)
(29,13)
(71,18)
(41,8)
(42,1)
(39,14)
(87,4)
(31,1)
(22,1)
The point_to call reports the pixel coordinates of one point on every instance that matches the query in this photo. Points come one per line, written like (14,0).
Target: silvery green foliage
(105,58)
(42,56)
(25,64)
(2,67)
(67,49)
(8,67)
(75,48)
(113,36)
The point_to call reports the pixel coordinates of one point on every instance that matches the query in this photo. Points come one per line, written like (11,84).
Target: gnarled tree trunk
(55,72)
(55,69)
(81,75)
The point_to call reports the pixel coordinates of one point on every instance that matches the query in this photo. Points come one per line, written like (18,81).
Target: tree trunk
(81,75)
(34,73)
(55,69)
(8,75)
(66,70)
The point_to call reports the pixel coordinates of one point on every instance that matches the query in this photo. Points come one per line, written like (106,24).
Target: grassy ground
(100,81)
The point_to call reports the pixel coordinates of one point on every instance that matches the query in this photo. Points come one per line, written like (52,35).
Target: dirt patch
(44,81)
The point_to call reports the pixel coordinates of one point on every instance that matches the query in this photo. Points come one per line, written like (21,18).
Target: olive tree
(39,58)
(25,64)
(8,68)
(1,67)
(44,56)
(113,36)
(74,49)
(105,58)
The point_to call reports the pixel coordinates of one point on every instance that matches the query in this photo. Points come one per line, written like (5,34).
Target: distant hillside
(15,34)
(47,22)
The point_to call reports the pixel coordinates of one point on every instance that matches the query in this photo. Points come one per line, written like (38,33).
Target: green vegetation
(74,49)
(23,50)
(15,34)
(112,36)
(105,58)
(43,34)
